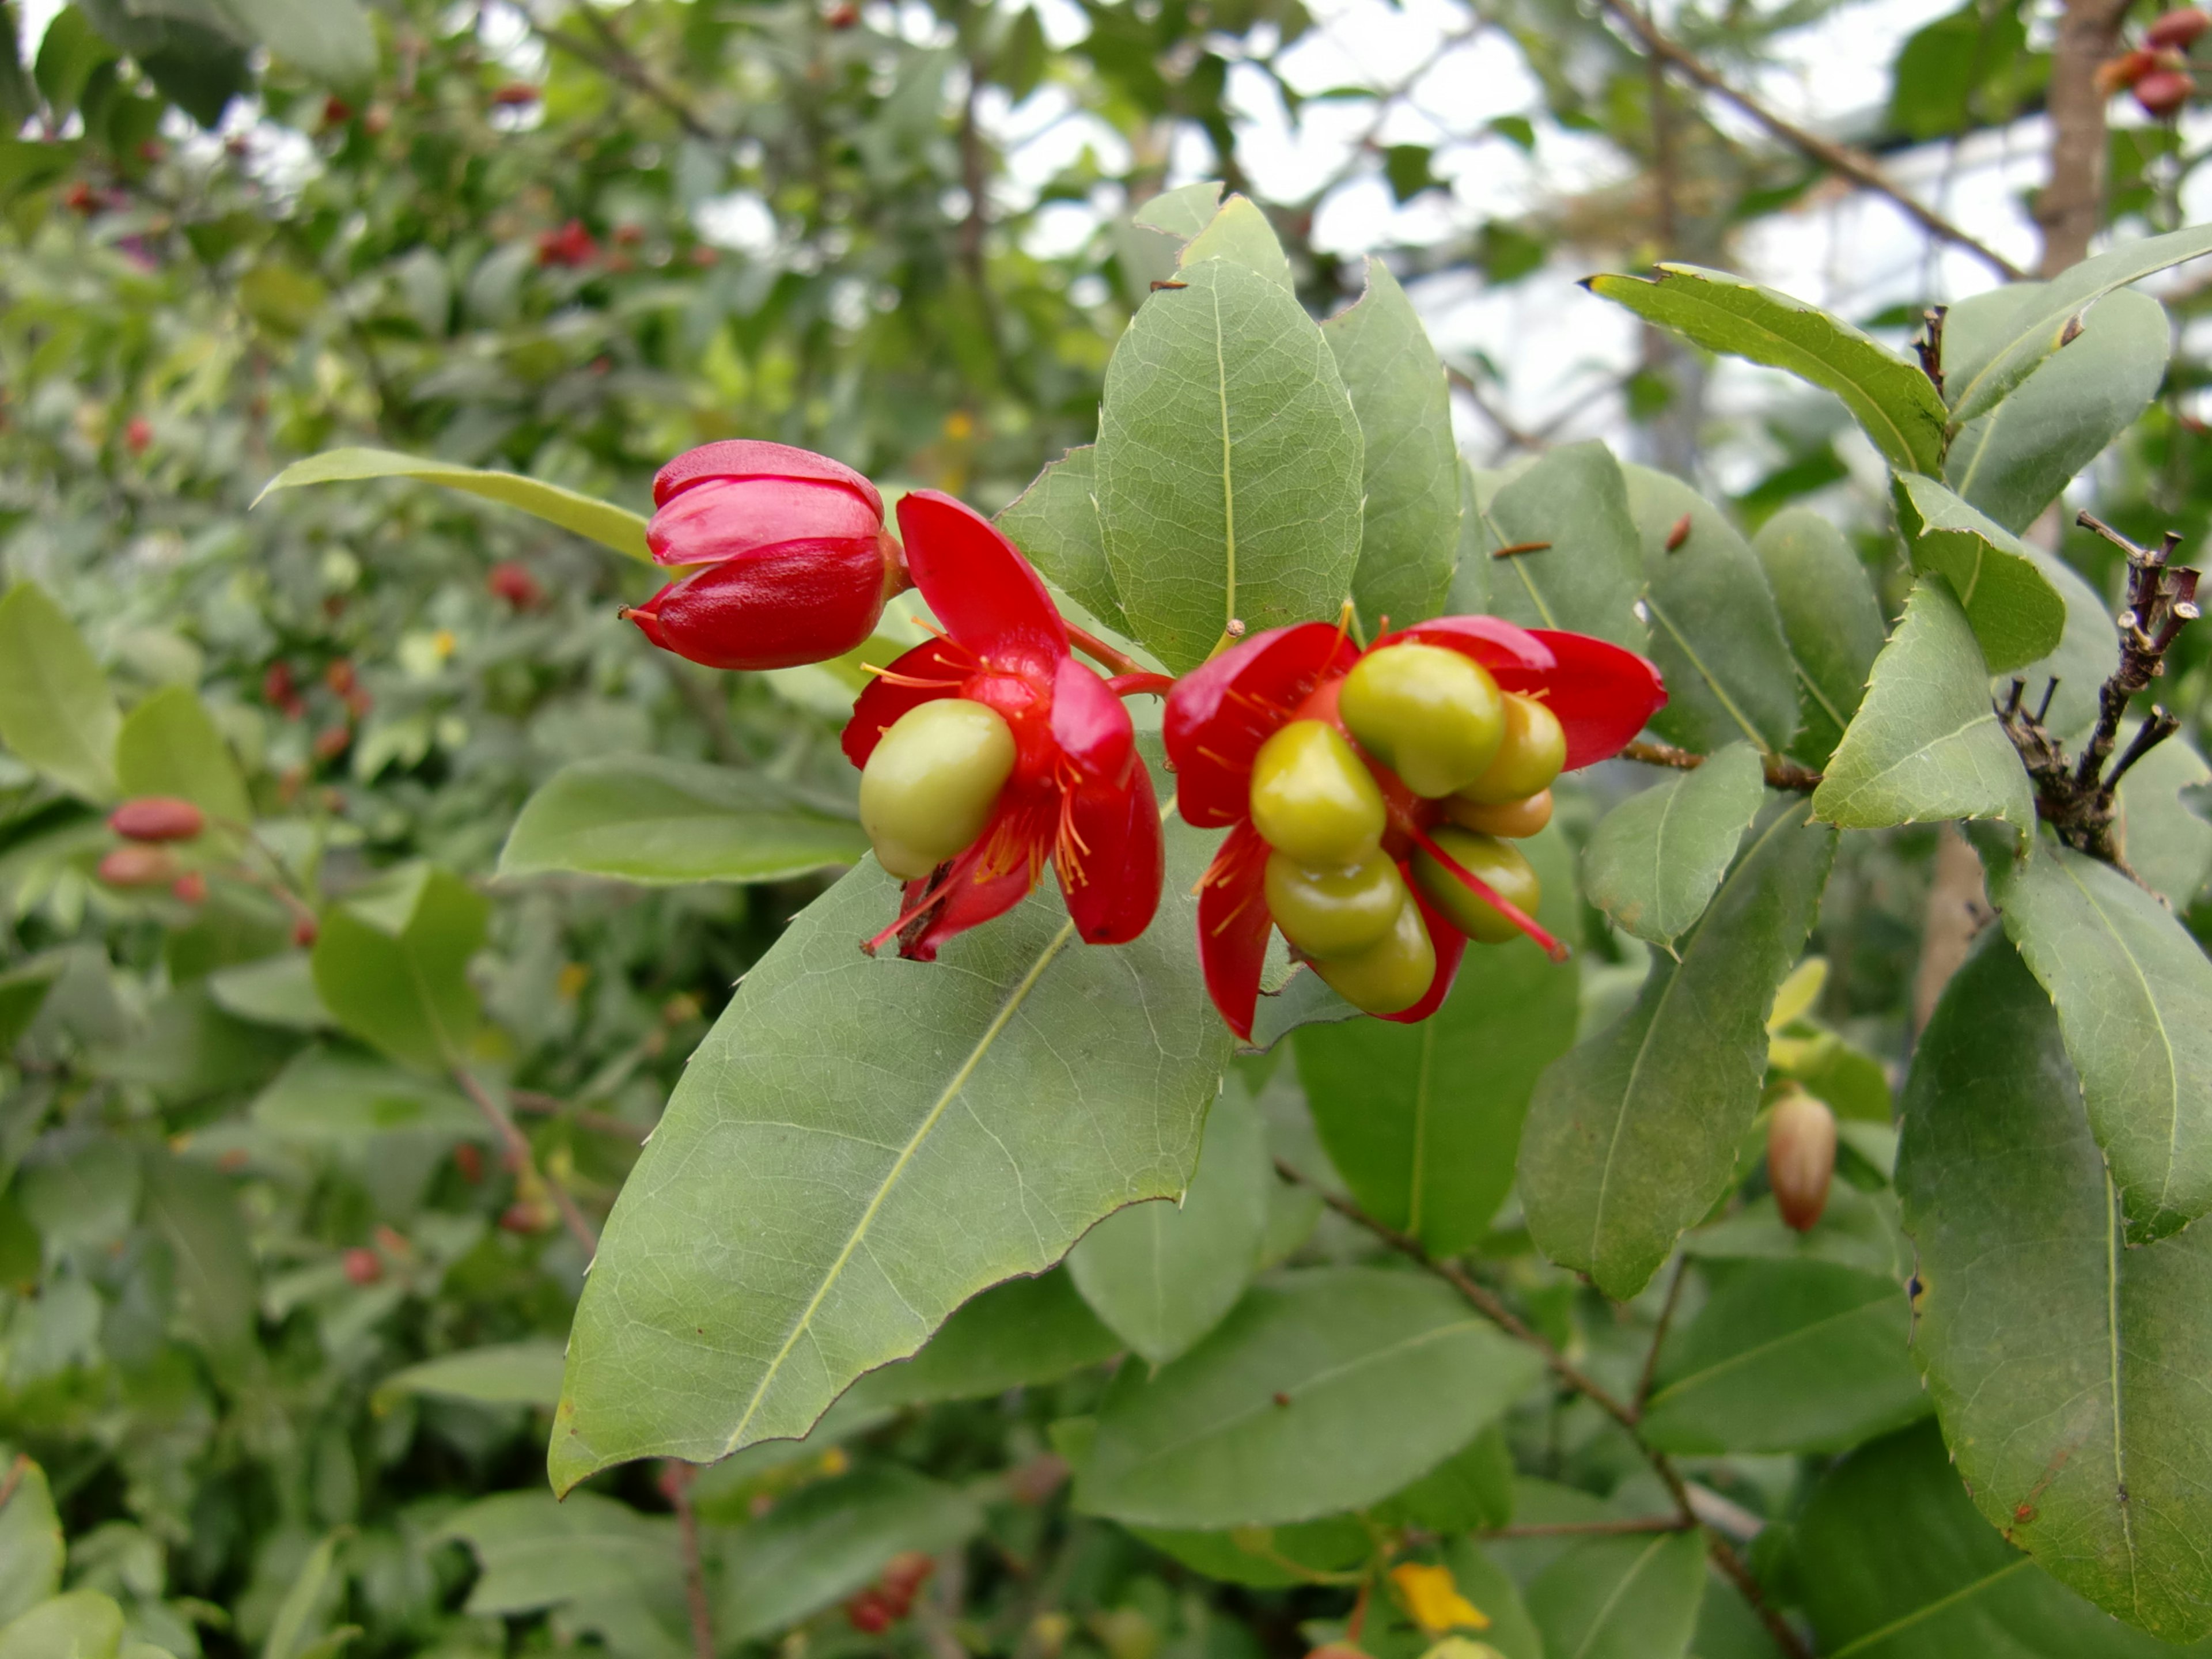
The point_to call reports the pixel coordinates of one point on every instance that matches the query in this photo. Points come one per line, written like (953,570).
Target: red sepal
(1220,712)
(1233,926)
(968,898)
(1122,860)
(755,457)
(977,583)
(1602,694)
(1091,726)
(1496,644)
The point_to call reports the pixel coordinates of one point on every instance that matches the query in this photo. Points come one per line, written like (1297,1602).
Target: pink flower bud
(157,818)
(2178,28)
(2163,92)
(138,866)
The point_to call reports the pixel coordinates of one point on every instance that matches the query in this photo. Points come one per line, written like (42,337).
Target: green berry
(1529,755)
(1517,820)
(1333,911)
(1496,862)
(1391,974)
(929,788)
(1430,715)
(1312,797)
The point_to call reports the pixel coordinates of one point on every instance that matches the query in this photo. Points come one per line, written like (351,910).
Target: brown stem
(1838,158)
(2070,206)
(1659,1335)
(529,1101)
(1781,773)
(676,1479)
(527,1173)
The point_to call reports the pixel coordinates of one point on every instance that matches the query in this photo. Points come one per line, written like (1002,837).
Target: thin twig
(617,61)
(534,1105)
(1659,1335)
(676,1479)
(529,1178)
(1839,159)
(1781,773)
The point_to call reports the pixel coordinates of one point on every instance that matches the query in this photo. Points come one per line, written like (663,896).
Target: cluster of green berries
(929,789)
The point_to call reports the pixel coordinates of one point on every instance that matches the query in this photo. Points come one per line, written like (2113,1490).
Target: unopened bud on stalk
(157,818)
(1800,1158)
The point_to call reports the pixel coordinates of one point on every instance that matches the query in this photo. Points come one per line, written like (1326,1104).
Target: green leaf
(1621,1598)
(1326,1389)
(2134,998)
(2016,613)
(193,1206)
(1229,465)
(638,817)
(1469,592)
(1182,213)
(1240,232)
(1654,861)
(1019,1335)
(1715,634)
(390,964)
(1423,1120)
(535,1552)
(304,1607)
(1634,1135)
(1055,522)
(1969,68)
(342,1094)
(1589,576)
(328,39)
(2166,845)
(822,1544)
(1892,1562)
(1513,1633)
(1981,368)
(952,1124)
(2088,652)
(2066,1367)
(594,521)
(1829,616)
(1787,1356)
(1893,399)
(1267,1558)
(1925,744)
(1163,1275)
(22,993)
(83,1625)
(57,712)
(1409,540)
(1471,1491)
(2012,462)
(31,1550)
(278,990)
(168,746)
(504,1374)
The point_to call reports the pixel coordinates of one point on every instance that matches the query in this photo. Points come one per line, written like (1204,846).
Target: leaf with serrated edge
(1055,522)
(1229,465)
(1588,574)
(1893,399)
(2016,612)
(594,519)
(1925,744)
(2134,995)
(1324,1390)
(57,712)
(1635,1132)
(861,1144)
(1653,862)
(2068,1369)
(1409,541)
(1830,616)
(1621,1598)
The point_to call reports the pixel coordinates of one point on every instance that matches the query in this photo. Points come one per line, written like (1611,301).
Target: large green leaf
(593,520)
(2069,1368)
(1409,541)
(1892,398)
(1229,465)
(1588,574)
(81,1625)
(1715,632)
(1981,368)
(1787,1356)
(2134,997)
(2167,846)
(1892,1562)
(1423,1120)
(638,817)
(862,1144)
(1634,1597)
(1925,744)
(329,39)
(1325,1390)
(822,1544)
(168,745)
(31,1550)
(1829,616)
(2013,461)
(1015,1335)
(1055,522)
(1654,861)
(390,964)
(308,1600)
(1162,1275)
(1635,1132)
(2016,613)
(57,712)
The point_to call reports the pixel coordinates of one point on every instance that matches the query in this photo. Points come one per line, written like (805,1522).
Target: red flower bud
(1800,1158)
(339,676)
(512,582)
(869,1613)
(2163,92)
(363,1266)
(515,95)
(191,888)
(2178,28)
(798,561)
(138,434)
(304,931)
(570,246)
(157,818)
(138,866)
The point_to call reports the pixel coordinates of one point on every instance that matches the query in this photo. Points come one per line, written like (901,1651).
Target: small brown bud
(1678,534)
(1800,1158)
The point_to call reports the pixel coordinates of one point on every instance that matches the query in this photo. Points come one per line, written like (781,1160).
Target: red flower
(1078,793)
(570,246)
(791,562)
(1220,714)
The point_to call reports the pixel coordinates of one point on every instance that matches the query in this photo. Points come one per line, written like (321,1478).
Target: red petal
(800,603)
(1220,712)
(968,901)
(1451,949)
(1233,927)
(1603,695)
(1494,643)
(977,583)
(1124,860)
(1091,726)
(940,666)
(722,519)
(751,458)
